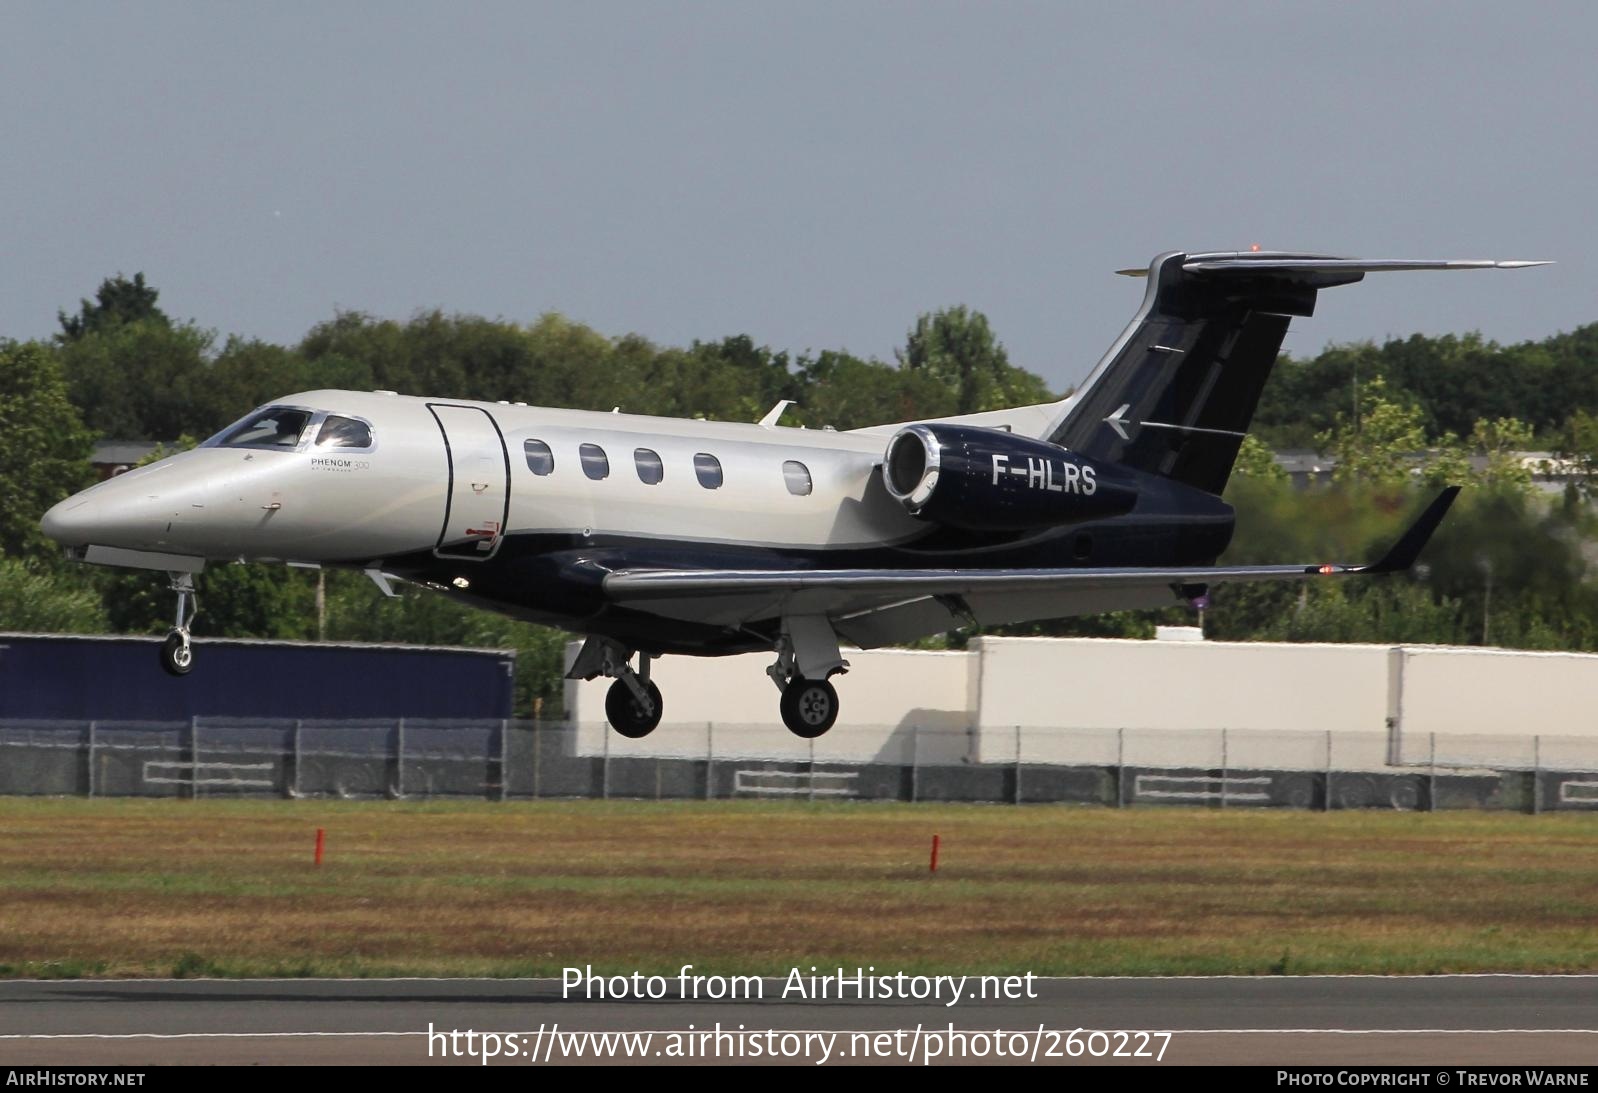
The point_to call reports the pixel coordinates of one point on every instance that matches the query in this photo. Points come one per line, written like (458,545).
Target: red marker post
(934,867)
(321,837)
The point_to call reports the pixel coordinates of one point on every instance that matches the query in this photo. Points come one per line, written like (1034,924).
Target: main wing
(873,607)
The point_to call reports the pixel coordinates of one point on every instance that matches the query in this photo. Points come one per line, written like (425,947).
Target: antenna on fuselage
(774,414)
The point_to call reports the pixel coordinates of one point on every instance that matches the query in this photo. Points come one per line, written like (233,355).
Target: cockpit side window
(344,432)
(277,428)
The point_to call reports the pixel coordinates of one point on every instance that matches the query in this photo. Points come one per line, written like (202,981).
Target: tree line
(1508,567)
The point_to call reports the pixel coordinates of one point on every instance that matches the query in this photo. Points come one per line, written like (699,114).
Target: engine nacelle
(986,480)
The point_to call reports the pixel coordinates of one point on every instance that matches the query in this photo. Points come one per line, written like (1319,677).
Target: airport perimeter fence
(501,760)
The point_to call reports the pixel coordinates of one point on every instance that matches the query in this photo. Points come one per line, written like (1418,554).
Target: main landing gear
(633,704)
(807,658)
(177,655)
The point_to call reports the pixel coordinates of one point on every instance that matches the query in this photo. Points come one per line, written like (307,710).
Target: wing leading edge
(878,606)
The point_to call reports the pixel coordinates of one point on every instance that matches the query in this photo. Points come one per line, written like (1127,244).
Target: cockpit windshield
(278,428)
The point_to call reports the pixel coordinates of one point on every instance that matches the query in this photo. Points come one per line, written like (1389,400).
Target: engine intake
(987,480)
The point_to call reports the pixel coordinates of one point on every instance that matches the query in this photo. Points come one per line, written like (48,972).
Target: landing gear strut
(177,655)
(633,704)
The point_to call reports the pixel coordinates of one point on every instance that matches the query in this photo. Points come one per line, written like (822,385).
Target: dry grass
(228,888)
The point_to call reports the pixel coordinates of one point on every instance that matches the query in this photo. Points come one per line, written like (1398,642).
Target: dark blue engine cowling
(987,480)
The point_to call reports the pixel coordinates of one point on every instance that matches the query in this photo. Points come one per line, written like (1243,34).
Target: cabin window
(650,469)
(708,470)
(596,464)
(540,460)
(276,427)
(344,432)
(797,476)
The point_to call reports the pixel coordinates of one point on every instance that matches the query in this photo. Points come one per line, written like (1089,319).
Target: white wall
(1282,706)
(1177,695)
(1490,703)
(884,697)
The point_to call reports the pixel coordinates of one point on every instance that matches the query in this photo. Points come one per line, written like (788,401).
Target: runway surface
(1433,1020)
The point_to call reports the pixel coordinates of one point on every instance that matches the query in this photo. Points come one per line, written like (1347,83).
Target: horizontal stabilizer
(1279,263)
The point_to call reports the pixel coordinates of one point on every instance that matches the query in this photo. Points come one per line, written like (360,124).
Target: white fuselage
(443,471)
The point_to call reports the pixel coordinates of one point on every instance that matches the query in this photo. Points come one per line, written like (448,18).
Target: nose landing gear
(177,655)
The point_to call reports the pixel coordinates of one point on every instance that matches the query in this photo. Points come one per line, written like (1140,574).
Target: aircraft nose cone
(68,523)
(103,518)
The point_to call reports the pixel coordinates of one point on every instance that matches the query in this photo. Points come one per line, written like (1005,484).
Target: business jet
(652,536)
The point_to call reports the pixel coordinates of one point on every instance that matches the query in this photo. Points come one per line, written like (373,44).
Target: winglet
(1403,553)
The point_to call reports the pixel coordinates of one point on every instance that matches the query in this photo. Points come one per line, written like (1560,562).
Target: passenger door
(479,483)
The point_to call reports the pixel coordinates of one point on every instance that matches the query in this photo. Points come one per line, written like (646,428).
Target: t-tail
(1175,394)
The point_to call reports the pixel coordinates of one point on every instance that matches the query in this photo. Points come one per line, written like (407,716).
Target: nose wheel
(177,654)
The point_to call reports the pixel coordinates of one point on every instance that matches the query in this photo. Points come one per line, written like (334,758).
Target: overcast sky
(811,174)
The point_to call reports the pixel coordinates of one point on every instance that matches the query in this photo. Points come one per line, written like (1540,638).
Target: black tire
(809,707)
(629,718)
(177,655)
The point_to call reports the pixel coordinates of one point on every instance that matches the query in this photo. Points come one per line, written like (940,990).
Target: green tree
(39,600)
(118,302)
(44,447)
(1255,460)
(1454,380)
(730,380)
(845,392)
(248,373)
(957,347)
(1379,449)
(1501,441)
(144,380)
(236,601)
(1578,451)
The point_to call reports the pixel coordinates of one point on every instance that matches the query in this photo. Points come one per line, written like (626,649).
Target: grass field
(156,888)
